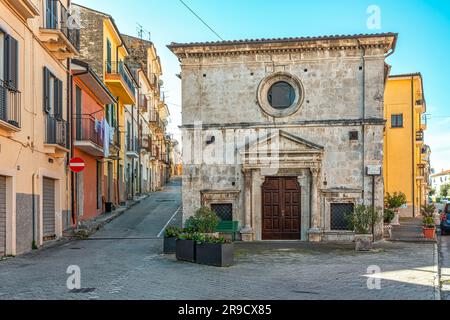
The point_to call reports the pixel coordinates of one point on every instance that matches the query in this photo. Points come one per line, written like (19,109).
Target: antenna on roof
(140,30)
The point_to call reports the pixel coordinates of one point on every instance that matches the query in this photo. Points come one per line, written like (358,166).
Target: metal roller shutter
(49,209)
(2,216)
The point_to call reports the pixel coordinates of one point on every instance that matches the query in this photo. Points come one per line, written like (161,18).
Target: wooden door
(281,209)
(2,216)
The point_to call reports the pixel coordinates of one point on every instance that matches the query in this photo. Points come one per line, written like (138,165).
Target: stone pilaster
(247,232)
(315,233)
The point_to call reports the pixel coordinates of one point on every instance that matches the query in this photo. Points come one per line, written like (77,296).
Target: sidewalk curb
(437,277)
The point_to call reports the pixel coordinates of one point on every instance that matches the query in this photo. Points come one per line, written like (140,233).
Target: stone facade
(327,138)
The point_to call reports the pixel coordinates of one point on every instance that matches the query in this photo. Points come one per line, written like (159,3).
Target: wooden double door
(281,209)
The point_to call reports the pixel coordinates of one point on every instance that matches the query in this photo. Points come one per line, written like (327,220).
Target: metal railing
(10,104)
(420,136)
(87,129)
(57,17)
(119,67)
(56,131)
(132,144)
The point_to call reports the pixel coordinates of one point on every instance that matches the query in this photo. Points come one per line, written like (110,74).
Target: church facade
(285,135)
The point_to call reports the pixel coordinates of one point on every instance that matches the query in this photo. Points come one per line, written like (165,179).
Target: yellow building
(103,48)
(406,163)
(36,42)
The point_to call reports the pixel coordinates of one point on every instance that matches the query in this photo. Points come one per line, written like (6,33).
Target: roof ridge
(285,39)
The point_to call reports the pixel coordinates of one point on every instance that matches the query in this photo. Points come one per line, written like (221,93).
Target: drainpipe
(413,120)
(33,209)
(363,126)
(139,138)
(70,136)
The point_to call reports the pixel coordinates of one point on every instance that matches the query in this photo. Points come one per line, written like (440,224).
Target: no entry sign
(76,164)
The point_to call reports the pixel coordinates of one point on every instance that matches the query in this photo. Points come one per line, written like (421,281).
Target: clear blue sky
(423,45)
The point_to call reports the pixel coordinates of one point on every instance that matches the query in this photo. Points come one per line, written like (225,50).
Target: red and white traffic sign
(76,164)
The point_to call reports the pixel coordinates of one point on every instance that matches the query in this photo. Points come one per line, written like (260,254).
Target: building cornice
(385,41)
(304,123)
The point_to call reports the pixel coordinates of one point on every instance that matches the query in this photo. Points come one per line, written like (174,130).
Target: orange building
(90,95)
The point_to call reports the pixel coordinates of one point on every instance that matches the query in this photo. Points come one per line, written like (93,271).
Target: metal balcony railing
(86,130)
(420,136)
(56,131)
(132,144)
(57,17)
(119,67)
(10,102)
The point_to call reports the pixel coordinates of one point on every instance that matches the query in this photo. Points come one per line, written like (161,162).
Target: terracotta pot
(429,233)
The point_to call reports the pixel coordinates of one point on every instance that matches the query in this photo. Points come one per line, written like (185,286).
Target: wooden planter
(170,245)
(214,254)
(363,242)
(429,233)
(185,250)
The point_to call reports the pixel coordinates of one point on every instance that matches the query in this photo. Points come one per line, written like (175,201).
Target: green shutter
(46,93)
(11,62)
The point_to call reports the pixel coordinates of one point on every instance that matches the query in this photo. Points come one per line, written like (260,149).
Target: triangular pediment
(284,142)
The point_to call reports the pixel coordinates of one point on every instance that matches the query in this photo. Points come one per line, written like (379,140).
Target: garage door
(2,215)
(49,209)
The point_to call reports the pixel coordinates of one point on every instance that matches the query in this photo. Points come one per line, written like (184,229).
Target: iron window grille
(339,213)
(223,210)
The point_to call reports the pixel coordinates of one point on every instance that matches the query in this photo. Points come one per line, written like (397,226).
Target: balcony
(146,144)
(28,9)
(119,80)
(420,137)
(10,107)
(87,137)
(132,147)
(56,133)
(60,34)
(143,103)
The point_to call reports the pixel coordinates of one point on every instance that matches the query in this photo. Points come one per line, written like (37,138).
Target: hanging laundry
(106,134)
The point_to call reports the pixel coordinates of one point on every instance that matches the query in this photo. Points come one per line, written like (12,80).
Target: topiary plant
(395,200)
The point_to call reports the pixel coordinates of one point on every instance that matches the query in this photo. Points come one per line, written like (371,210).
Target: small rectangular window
(223,211)
(397,121)
(339,213)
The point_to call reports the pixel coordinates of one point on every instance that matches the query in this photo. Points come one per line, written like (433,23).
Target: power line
(201,20)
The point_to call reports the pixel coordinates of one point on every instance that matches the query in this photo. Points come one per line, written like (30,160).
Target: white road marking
(170,220)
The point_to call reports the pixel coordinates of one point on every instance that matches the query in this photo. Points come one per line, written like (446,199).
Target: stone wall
(91,40)
(343,93)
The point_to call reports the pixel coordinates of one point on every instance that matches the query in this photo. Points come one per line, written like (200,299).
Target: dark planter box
(213,254)
(185,250)
(170,245)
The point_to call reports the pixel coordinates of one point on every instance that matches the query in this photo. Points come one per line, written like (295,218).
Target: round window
(281,95)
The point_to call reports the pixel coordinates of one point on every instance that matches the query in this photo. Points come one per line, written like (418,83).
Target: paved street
(124,261)
(444,255)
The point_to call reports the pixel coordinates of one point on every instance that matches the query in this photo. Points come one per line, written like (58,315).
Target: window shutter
(46,92)
(58,99)
(11,61)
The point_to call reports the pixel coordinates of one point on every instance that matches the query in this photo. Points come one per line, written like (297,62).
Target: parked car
(445,220)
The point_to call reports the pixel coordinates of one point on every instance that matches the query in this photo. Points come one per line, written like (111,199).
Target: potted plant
(170,239)
(205,222)
(387,219)
(394,202)
(362,220)
(429,226)
(185,246)
(213,251)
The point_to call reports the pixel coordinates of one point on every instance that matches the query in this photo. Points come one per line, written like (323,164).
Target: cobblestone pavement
(124,261)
